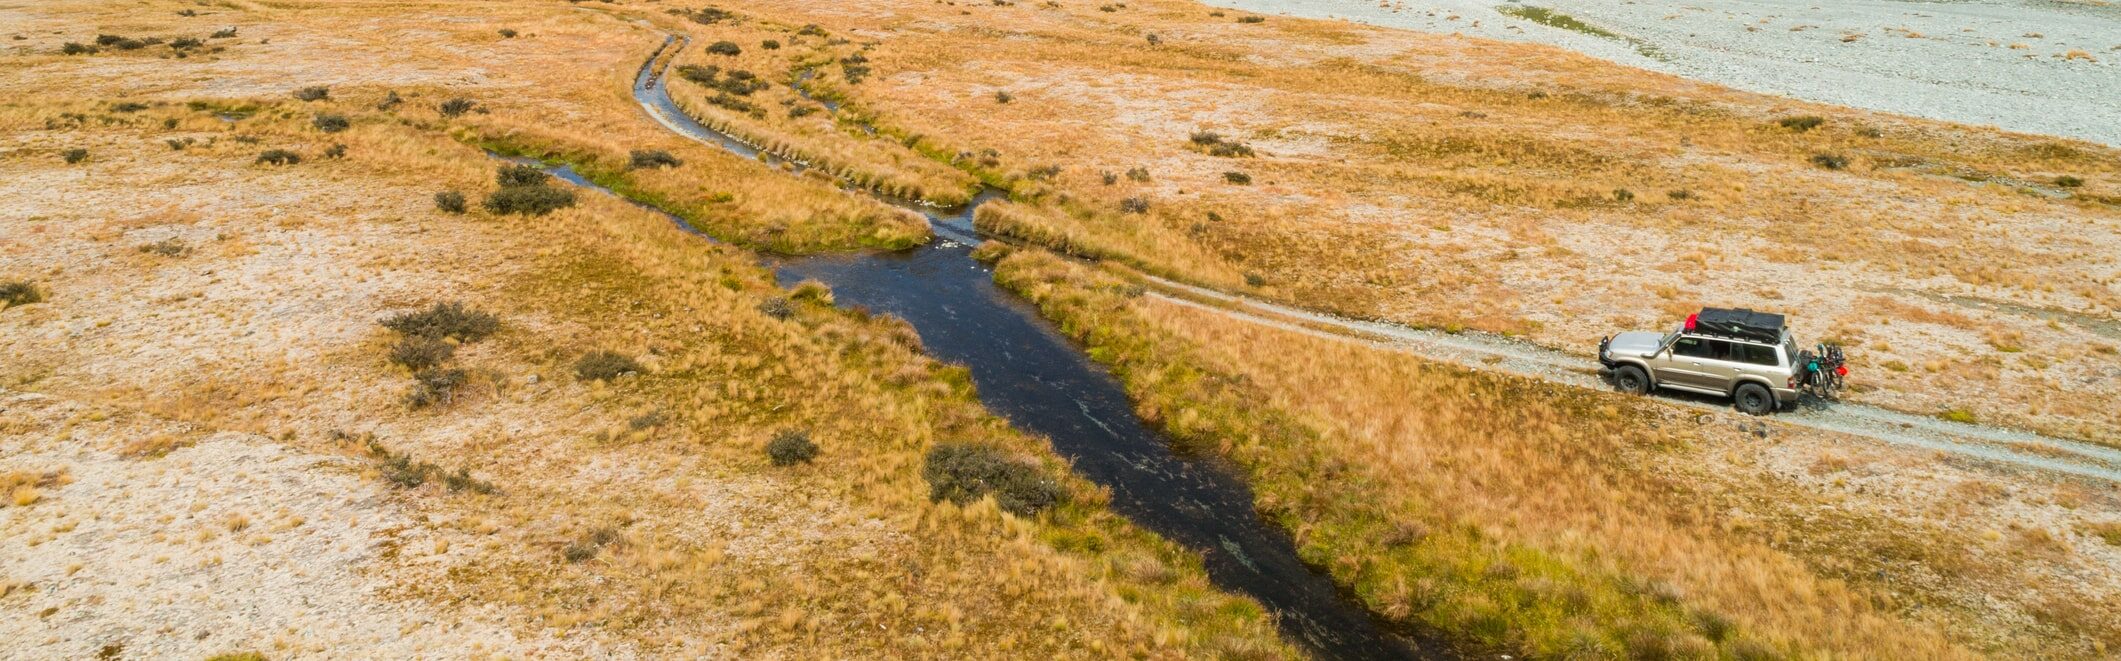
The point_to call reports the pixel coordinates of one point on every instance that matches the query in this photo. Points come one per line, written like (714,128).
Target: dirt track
(1491,352)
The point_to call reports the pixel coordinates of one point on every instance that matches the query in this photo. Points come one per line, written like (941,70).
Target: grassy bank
(1529,518)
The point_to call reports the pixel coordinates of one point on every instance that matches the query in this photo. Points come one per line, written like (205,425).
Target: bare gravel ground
(230,542)
(2026,66)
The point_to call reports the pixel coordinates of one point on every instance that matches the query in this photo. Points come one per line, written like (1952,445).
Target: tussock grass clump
(74,48)
(19,292)
(604,365)
(278,157)
(777,307)
(1801,123)
(965,472)
(456,107)
(528,191)
(75,155)
(1238,178)
(224,33)
(185,43)
(791,447)
(1251,19)
(417,352)
(237,656)
(450,201)
(445,320)
(1003,96)
(128,106)
(1134,205)
(1830,161)
(337,150)
(653,158)
(330,123)
(770,44)
(508,33)
(313,93)
(390,100)
(1138,175)
(2067,181)
(728,48)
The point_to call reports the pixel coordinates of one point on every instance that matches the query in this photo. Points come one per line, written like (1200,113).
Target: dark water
(1038,379)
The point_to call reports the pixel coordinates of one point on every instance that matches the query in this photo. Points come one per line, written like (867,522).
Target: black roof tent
(1741,323)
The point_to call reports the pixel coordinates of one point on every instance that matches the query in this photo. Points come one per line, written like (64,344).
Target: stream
(1038,379)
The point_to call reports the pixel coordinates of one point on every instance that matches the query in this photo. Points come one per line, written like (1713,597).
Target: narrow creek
(1038,379)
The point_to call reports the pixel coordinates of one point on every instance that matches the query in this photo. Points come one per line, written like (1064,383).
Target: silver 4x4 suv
(1747,356)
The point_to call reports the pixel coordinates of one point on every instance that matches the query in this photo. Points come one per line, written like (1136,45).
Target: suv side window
(1691,347)
(1719,350)
(1754,354)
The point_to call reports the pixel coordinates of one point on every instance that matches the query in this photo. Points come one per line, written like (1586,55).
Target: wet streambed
(1038,379)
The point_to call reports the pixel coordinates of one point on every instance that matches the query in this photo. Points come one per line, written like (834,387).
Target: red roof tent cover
(1741,323)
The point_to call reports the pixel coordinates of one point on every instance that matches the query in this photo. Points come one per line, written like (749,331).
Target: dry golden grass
(1458,183)
(1540,519)
(639,513)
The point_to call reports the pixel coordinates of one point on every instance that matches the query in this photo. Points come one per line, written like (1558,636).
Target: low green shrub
(435,386)
(1238,178)
(1801,123)
(604,365)
(75,155)
(791,447)
(417,352)
(450,201)
(456,107)
(445,320)
(330,123)
(653,158)
(19,292)
(279,157)
(728,48)
(965,472)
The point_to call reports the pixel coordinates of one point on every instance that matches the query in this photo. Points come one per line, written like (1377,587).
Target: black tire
(1754,399)
(1631,380)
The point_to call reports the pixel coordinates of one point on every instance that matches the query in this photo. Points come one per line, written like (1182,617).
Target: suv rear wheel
(1631,380)
(1754,399)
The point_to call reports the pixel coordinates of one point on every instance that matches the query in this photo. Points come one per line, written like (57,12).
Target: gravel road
(2034,66)
(1494,352)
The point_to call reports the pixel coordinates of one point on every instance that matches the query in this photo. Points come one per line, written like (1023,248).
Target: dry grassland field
(295,364)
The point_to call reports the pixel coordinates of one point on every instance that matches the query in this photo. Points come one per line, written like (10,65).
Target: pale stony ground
(235,542)
(2006,63)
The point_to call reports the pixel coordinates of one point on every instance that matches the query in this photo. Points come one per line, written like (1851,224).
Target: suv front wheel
(1754,399)
(1631,380)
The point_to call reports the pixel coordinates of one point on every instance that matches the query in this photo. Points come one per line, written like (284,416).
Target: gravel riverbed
(2030,66)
